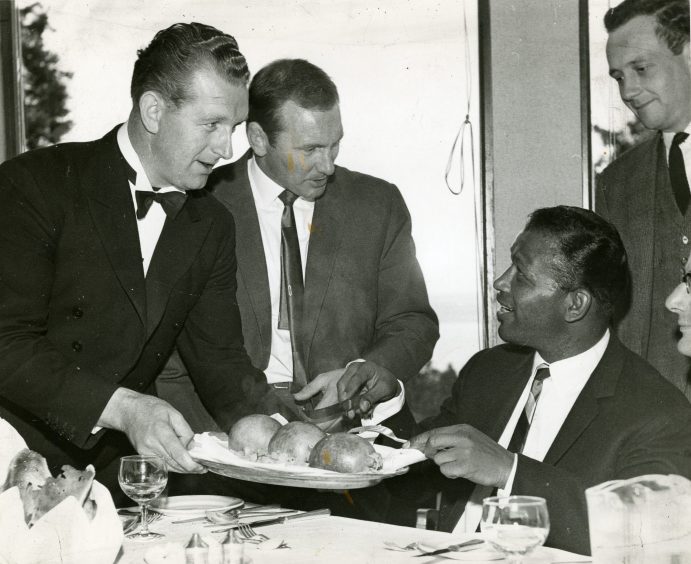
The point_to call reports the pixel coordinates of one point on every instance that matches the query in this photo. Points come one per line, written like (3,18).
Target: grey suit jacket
(365,295)
(626,197)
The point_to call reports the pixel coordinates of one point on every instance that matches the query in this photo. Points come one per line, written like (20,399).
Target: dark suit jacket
(627,421)
(77,317)
(365,296)
(626,196)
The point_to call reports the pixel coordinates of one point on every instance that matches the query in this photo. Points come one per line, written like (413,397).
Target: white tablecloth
(332,540)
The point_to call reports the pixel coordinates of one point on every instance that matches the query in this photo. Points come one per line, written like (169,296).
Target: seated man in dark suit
(564,405)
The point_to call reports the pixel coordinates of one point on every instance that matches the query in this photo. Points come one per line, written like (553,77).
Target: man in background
(645,192)
(356,316)
(563,405)
(111,255)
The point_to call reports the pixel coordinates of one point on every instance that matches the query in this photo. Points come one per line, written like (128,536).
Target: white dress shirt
(559,392)
(151,225)
(269,207)
(685,147)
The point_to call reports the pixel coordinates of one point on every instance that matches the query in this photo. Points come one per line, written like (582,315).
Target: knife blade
(325,413)
(276,520)
(462,547)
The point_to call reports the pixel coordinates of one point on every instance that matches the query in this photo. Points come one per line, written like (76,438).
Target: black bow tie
(171,202)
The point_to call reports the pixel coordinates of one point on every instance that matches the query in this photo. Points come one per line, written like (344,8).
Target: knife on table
(257,522)
(462,547)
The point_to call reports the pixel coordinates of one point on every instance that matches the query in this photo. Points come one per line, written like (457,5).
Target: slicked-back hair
(672,17)
(591,253)
(285,80)
(168,63)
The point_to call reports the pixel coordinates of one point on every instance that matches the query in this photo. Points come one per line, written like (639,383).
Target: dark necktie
(171,202)
(677,173)
(521,432)
(292,286)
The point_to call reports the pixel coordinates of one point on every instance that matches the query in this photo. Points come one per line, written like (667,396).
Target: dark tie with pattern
(677,173)
(171,202)
(521,432)
(292,286)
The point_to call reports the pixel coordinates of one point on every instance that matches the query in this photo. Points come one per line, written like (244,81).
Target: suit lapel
(176,249)
(509,384)
(326,232)
(602,383)
(112,211)
(249,248)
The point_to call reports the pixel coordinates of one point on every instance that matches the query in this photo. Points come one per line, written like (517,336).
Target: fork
(381,429)
(250,534)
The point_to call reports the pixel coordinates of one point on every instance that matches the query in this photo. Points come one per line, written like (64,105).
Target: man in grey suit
(365,312)
(645,192)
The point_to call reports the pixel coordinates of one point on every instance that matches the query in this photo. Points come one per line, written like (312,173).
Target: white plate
(194,505)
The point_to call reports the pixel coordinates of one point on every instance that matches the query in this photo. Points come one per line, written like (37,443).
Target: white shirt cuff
(506,490)
(96,429)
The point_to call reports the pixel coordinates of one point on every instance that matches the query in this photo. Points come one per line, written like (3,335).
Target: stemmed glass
(515,525)
(143,477)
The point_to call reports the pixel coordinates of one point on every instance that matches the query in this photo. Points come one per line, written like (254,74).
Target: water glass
(515,525)
(143,477)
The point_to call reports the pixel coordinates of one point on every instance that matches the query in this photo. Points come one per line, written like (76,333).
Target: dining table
(329,539)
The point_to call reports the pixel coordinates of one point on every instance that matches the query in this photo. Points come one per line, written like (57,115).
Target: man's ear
(151,109)
(258,140)
(578,303)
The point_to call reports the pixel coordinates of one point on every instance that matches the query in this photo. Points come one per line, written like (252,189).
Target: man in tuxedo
(111,255)
(645,192)
(564,405)
(364,319)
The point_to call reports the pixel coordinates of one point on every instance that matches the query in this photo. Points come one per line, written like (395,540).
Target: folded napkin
(213,447)
(64,535)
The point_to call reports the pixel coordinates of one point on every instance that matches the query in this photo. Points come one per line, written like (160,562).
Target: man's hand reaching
(372,382)
(153,426)
(325,383)
(461,451)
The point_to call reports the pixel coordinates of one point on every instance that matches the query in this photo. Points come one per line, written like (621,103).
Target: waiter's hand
(153,426)
(374,383)
(326,384)
(461,451)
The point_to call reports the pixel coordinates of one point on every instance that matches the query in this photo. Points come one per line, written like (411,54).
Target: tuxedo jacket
(365,296)
(77,317)
(627,421)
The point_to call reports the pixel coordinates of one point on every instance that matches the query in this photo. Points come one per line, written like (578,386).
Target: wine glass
(515,525)
(143,477)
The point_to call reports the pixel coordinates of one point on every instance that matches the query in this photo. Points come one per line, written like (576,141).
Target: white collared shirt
(668,137)
(269,207)
(269,210)
(149,227)
(559,392)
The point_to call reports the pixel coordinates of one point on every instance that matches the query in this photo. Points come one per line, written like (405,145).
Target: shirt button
(685,240)
(77,312)
(76,346)
(159,356)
